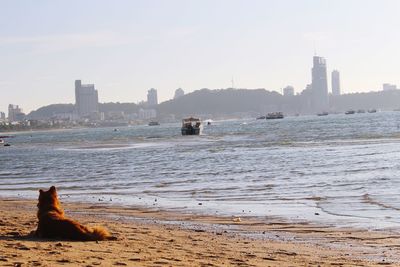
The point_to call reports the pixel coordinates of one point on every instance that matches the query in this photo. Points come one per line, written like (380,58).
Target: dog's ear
(53,189)
(40,191)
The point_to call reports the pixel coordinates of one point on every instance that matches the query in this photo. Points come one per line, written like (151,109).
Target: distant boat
(361,111)
(191,126)
(274,115)
(261,118)
(2,142)
(208,122)
(372,110)
(350,112)
(154,123)
(323,113)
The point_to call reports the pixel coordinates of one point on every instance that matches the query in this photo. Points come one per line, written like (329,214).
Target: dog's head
(48,198)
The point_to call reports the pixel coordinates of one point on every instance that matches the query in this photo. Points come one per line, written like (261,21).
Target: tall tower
(178,93)
(319,85)
(152,99)
(86,99)
(335,82)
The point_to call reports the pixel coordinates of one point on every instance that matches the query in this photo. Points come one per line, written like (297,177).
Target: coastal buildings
(152,99)
(86,99)
(179,93)
(288,91)
(15,113)
(389,87)
(145,114)
(319,85)
(335,83)
(2,116)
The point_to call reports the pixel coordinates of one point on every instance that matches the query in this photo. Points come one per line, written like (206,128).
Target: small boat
(261,118)
(2,142)
(361,111)
(323,113)
(274,115)
(191,126)
(350,112)
(154,123)
(372,110)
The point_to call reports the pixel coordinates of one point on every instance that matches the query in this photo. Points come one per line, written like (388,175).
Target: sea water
(341,170)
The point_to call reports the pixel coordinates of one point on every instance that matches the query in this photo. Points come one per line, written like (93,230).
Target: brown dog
(53,224)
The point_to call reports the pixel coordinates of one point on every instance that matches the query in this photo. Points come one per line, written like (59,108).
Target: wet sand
(159,238)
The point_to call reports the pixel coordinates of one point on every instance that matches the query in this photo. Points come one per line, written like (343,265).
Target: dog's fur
(53,224)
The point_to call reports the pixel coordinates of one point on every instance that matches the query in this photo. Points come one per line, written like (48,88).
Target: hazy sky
(127,47)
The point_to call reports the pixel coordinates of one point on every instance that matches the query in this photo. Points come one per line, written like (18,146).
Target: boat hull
(193,131)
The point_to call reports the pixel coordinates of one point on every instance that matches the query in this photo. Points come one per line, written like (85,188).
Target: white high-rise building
(2,116)
(335,82)
(152,99)
(319,85)
(178,93)
(14,113)
(86,99)
(288,91)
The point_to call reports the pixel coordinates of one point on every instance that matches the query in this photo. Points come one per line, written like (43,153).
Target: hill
(222,102)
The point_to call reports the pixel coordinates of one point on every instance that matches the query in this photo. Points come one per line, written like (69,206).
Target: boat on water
(323,113)
(372,110)
(191,126)
(2,142)
(154,123)
(350,112)
(261,118)
(361,111)
(274,115)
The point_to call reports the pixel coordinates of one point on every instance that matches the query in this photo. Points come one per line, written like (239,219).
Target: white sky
(127,47)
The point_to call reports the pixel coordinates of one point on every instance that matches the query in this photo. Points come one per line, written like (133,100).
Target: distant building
(178,93)
(15,113)
(335,82)
(152,99)
(288,91)
(388,87)
(319,85)
(86,99)
(146,114)
(2,116)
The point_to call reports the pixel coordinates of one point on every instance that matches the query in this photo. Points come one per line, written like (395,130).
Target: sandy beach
(157,238)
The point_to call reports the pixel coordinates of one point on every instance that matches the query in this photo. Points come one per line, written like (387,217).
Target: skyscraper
(319,85)
(288,91)
(86,99)
(335,82)
(152,97)
(178,93)
(14,113)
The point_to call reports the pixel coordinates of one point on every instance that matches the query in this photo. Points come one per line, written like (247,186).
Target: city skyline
(129,47)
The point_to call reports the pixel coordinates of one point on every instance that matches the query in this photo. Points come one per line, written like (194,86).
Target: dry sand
(156,238)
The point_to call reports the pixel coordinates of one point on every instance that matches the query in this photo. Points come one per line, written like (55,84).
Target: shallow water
(342,170)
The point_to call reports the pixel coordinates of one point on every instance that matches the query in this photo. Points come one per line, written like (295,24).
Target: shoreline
(149,237)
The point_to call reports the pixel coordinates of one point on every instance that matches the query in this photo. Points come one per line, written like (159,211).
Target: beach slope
(149,238)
